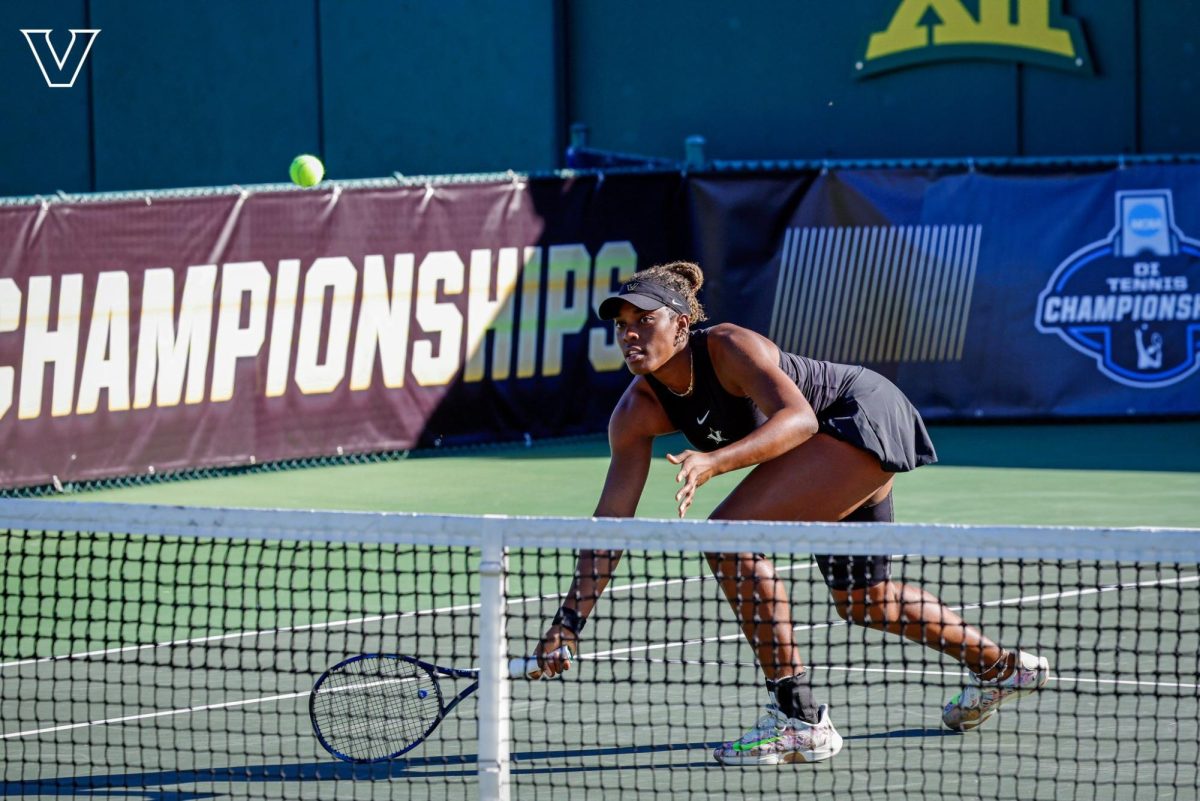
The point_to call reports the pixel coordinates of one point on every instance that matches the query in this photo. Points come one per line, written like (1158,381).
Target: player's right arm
(636,421)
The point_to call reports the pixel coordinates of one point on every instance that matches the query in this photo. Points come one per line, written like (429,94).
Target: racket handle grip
(526,667)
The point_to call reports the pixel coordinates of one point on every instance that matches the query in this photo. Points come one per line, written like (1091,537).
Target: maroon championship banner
(150,335)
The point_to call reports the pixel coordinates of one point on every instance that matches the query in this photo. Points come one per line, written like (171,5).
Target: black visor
(644,295)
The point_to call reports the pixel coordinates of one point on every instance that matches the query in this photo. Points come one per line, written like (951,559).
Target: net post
(494,713)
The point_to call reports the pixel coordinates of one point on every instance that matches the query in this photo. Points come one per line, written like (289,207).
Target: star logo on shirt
(715,436)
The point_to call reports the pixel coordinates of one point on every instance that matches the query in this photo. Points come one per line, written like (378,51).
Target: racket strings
(374,708)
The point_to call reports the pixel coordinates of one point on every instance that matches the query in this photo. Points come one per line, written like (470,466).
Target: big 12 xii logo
(1132,300)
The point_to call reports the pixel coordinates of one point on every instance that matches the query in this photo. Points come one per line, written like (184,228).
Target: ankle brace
(793,696)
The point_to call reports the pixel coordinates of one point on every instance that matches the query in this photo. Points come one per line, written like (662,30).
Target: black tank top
(711,417)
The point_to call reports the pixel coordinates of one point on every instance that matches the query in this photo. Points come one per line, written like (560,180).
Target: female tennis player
(826,440)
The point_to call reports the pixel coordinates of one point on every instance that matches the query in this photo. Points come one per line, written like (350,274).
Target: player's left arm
(747,365)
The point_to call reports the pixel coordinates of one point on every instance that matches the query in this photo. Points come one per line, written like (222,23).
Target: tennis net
(156,652)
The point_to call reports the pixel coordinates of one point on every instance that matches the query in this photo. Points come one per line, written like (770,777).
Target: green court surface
(1145,474)
(666,674)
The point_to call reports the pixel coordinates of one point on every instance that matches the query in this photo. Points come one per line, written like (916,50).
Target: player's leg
(864,593)
(997,675)
(827,479)
(920,616)
(823,479)
(794,728)
(759,598)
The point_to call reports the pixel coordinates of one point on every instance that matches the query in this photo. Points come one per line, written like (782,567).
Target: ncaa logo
(1131,301)
(1144,220)
(1145,224)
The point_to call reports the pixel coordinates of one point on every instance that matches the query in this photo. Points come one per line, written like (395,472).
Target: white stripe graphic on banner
(876,293)
(961,334)
(789,240)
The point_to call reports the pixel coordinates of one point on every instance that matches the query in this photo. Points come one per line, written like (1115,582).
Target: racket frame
(433,670)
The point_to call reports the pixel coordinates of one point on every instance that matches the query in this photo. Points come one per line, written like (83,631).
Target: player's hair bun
(684,277)
(689,272)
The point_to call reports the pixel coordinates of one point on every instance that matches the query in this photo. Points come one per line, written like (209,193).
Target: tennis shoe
(776,739)
(979,700)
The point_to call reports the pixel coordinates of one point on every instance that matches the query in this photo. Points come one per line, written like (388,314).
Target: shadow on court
(887,735)
(148,785)
(1169,446)
(1117,445)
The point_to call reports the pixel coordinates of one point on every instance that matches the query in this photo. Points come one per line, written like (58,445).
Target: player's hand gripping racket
(375,707)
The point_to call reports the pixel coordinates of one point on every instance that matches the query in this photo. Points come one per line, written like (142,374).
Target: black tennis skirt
(874,415)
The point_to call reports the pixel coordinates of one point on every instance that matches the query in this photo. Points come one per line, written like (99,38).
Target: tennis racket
(376,707)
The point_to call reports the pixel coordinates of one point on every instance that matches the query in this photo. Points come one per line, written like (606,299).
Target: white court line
(145,715)
(334,624)
(1085,591)
(833,668)
(445,610)
(204,708)
(660,646)
(928,672)
(1000,602)
(832,624)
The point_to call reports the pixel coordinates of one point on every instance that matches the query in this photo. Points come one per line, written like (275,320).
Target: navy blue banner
(982,296)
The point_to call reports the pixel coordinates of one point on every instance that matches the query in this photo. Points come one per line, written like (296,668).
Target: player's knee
(856,611)
(873,607)
(739,565)
(843,609)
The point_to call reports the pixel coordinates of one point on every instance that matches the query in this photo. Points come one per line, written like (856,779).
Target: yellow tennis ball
(306,170)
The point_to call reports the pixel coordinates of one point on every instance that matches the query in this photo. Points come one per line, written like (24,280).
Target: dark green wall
(194,92)
(776,80)
(187,94)
(425,87)
(1169,76)
(44,139)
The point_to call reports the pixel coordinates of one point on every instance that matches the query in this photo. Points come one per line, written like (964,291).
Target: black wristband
(569,619)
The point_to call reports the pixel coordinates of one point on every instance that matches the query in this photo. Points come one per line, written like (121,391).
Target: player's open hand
(551,658)
(695,468)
